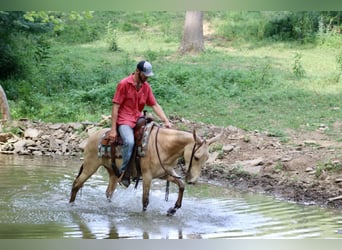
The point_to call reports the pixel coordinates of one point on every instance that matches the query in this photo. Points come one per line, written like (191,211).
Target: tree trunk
(4,108)
(193,41)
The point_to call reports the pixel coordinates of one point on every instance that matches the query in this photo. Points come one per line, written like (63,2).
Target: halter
(194,150)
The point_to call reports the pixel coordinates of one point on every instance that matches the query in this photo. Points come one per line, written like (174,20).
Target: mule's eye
(196,158)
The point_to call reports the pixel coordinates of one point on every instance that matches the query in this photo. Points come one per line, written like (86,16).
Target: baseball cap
(145,67)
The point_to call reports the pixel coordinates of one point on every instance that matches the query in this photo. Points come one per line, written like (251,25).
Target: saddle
(112,150)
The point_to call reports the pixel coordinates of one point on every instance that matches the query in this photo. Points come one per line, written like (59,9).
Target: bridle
(195,148)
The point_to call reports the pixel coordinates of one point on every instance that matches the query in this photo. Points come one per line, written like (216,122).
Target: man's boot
(124,178)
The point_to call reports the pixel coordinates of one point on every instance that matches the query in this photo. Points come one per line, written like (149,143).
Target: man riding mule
(163,149)
(131,95)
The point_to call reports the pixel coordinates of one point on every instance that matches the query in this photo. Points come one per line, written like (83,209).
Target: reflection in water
(34,204)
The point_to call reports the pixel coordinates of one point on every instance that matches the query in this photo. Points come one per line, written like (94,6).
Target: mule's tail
(75,187)
(80,171)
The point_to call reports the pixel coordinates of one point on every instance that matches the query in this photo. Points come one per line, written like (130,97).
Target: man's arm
(160,113)
(113,132)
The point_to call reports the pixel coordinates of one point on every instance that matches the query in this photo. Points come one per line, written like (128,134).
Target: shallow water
(34,204)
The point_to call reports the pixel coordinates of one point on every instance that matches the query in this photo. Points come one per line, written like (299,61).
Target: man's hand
(167,124)
(112,135)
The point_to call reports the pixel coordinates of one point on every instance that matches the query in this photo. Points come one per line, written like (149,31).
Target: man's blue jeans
(127,136)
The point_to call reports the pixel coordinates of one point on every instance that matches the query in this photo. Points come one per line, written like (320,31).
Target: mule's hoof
(171,211)
(125,182)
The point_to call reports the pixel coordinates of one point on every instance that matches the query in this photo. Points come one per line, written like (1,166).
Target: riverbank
(304,167)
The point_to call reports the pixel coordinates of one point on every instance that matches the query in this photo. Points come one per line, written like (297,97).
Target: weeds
(111,38)
(327,167)
(232,83)
(297,67)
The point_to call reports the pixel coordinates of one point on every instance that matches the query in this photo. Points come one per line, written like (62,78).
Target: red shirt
(132,101)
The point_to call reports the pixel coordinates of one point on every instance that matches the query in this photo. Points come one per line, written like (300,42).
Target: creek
(35,194)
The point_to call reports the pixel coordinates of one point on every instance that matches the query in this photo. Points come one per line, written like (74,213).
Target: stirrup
(121,175)
(124,181)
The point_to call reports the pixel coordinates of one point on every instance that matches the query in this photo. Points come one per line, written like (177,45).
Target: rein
(194,150)
(161,164)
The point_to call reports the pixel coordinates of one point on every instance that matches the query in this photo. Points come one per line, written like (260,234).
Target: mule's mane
(171,142)
(177,137)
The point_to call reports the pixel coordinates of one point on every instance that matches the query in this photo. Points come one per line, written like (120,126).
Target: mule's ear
(196,138)
(194,134)
(216,138)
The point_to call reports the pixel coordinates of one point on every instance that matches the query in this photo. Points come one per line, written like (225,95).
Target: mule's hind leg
(113,180)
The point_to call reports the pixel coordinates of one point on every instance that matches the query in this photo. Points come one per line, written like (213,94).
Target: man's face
(142,77)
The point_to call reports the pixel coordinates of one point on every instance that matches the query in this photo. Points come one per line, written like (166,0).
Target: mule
(164,147)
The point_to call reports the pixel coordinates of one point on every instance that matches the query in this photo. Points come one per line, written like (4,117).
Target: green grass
(250,85)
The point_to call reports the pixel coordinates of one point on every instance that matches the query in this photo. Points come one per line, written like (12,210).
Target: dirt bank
(301,167)
(304,167)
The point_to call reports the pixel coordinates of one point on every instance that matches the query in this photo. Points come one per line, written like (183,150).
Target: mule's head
(195,157)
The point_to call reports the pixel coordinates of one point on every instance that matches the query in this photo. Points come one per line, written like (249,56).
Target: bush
(293,26)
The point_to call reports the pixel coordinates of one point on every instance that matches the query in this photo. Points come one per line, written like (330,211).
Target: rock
(335,198)
(7,147)
(7,152)
(32,149)
(255,162)
(310,142)
(252,169)
(19,146)
(338,180)
(37,153)
(286,159)
(4,137)
(31,133)
(336,162)
(59,134)
(76,125)
(212,157)
(309,169)
(251,166)
(227,148)
(52,143)
(55,126)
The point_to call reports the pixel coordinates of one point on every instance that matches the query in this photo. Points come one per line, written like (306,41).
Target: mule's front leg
(178,204)
(146,192)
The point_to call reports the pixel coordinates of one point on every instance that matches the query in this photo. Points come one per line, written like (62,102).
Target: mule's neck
(175,139)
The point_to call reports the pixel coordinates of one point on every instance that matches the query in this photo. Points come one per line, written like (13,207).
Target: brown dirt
(305,169)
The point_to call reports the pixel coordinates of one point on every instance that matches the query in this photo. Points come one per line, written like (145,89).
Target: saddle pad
(104,147)
(147,131)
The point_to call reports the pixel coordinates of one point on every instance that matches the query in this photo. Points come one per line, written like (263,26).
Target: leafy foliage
(247,77)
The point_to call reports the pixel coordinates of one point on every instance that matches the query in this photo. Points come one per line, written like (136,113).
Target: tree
(4,108)
(193,41)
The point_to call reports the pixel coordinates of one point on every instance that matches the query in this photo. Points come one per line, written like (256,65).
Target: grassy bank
(268,86)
